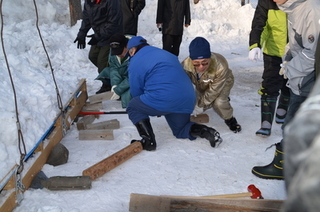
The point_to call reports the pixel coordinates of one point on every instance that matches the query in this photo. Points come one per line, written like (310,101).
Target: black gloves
(93,40)
(81,42)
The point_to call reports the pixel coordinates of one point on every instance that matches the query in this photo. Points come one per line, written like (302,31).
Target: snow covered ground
(178,166)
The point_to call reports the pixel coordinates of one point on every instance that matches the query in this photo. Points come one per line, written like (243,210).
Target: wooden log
(201,118)
(146,203)
(206,205)
(111,124)
(82,123)
(113,161)
(100,97)
(104,134)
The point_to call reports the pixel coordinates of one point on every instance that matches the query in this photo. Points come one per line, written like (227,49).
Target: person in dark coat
(104,17)
(131,10)
(172,15)
(160,87)
(269,37)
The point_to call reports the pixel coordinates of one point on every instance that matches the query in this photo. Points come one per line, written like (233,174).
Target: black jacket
(173,14)
(130,11)
(105,18)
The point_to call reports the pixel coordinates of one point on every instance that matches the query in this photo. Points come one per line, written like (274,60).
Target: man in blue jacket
(160,87)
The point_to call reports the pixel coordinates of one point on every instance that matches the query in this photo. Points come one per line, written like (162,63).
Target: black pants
(273,82)
(171,43)
(99,56)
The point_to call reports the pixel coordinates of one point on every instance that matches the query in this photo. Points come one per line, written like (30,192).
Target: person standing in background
(269,32)
(131,10)
(303,31)
(172,15)
(104,17)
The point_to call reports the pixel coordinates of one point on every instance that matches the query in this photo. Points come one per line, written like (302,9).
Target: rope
(21,144)
(45,50)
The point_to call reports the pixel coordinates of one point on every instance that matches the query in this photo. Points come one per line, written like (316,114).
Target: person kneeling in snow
(117,71)
(160,87)
(213,80)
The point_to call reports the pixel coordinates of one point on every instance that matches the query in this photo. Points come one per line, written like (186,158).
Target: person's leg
(283,103)
(224,109)
(139,113)
(271,84)
(167,42)
(176,44)
(102,62)
(103,58)
(93,54)
(182,128)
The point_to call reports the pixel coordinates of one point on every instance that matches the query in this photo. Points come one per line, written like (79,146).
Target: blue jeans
(179,123)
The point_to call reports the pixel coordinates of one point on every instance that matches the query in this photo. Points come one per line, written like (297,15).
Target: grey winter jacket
(303,17)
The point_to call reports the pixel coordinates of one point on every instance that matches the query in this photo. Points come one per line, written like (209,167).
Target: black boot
(268,106)
(202,131)
(104,88)
(282,108)
(233,124)
(275,169)
(146,132)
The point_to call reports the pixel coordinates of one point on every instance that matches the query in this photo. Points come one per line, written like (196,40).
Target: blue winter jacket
(158,78)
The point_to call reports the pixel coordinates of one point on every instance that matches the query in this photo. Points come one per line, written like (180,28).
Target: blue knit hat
(136,41)
(199,48)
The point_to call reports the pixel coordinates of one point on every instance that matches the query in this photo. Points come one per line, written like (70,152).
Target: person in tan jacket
(212,79)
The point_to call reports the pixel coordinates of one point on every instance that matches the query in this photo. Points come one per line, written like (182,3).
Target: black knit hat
(117,43)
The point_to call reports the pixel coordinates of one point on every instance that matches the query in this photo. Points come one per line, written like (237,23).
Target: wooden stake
(201,118)
(113,161)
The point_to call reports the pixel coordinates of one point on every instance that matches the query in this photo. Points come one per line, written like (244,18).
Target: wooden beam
(111,124)
(100,97)
(201,118)
(146,203)
(83,122)
(113,161)
(62,123)
(104,134)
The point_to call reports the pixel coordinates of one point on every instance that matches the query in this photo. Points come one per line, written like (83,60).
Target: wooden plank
(111,124)
(113,161)
(83,122)
(94,106)
(143,203)
(201,118)
(104,134)
(100,97)
(73,106)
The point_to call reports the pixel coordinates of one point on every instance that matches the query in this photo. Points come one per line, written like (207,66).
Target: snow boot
(268,105)
(233,124)
(202,131)
(145,130)
(275,169)
(282,108)
(104,88)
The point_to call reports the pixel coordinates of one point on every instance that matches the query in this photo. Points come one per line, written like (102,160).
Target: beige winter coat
(213,87)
